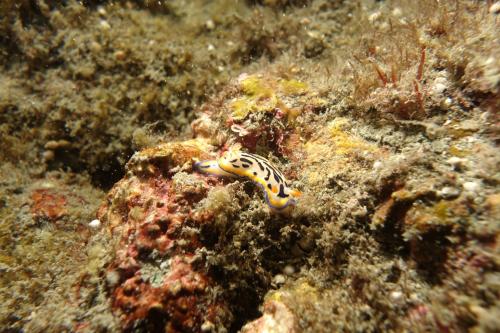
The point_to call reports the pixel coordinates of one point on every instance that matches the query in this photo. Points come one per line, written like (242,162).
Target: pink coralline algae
(157,281)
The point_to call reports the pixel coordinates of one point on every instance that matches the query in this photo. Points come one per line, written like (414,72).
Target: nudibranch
(276,189)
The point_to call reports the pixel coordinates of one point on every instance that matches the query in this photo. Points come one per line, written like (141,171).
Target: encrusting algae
(266,94)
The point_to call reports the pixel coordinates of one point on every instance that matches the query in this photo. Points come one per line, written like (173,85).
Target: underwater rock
(158,280)
(260,112)
(277,318)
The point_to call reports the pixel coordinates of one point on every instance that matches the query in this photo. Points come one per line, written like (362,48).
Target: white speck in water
(105,25)
(397,12)
(396,295)
(288,270)
(377,165)
(210,24)
(279,279)
(102,11)
(112,278)
(95,223)
(449,192)
(456,162)
(472,187)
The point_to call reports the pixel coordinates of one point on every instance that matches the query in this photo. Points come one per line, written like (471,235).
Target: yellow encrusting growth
(301,287)
(293,87)
(266,94)
(332,149)
(255,86)
(345,143)
(458,152)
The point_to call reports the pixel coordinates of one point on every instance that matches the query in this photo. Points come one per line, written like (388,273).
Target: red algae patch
(48,204)
(53,200)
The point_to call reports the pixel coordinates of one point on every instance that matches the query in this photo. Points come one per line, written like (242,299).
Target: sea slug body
(277,192)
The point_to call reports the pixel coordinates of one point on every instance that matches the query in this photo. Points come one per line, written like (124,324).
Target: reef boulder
(158,278)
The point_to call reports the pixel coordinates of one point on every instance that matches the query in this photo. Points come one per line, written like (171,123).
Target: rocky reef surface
(384,114)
